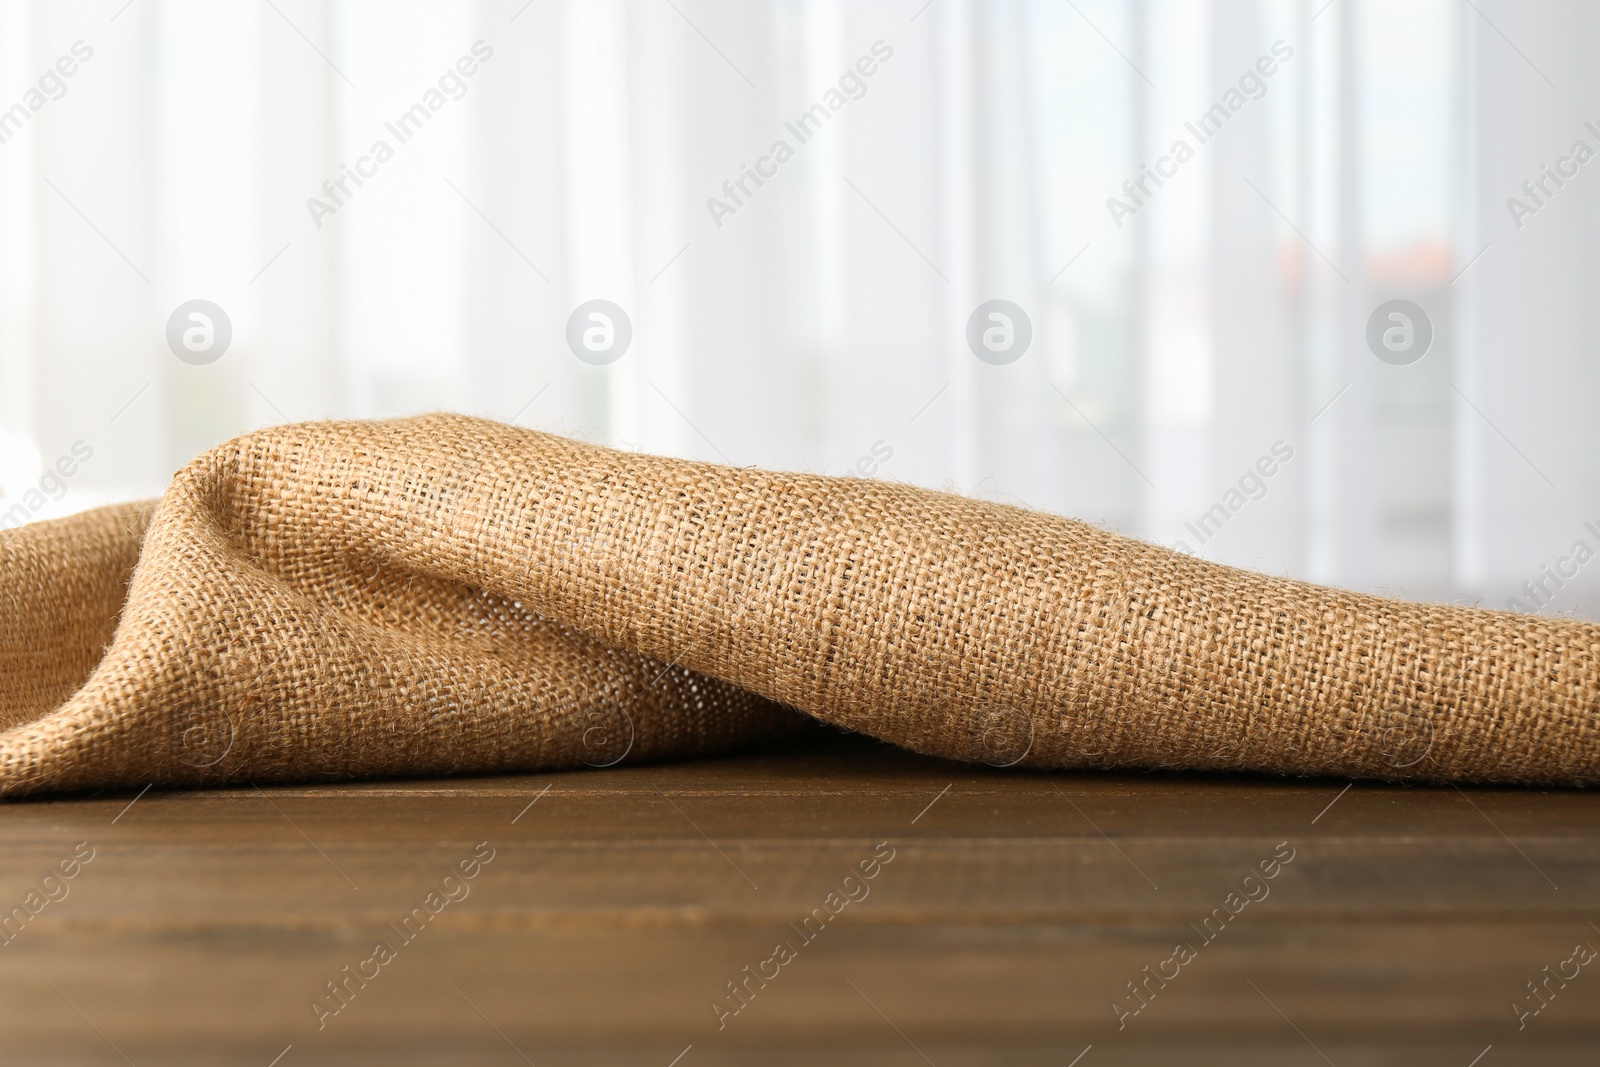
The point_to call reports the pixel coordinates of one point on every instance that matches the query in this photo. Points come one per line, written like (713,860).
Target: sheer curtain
(1198,372)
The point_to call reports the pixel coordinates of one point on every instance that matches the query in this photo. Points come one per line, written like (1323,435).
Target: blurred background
(1197,368)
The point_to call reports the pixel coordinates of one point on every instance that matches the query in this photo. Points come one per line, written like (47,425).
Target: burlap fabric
(443,594)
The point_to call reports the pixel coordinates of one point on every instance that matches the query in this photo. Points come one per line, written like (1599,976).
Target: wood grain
(616,908)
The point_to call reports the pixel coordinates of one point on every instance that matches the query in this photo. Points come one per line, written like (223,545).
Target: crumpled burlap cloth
(443,594)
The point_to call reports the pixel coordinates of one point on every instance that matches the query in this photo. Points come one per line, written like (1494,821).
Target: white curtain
(1198,373)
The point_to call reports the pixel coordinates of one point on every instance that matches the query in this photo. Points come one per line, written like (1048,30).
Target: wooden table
(1006,913)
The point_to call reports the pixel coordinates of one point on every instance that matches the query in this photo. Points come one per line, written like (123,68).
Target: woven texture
(442,595)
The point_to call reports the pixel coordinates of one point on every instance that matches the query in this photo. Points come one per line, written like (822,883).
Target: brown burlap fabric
(443,594)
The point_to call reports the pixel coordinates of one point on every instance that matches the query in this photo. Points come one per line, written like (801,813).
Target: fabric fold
(445,595)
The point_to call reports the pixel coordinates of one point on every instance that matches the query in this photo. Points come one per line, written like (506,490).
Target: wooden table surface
(1006,913)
